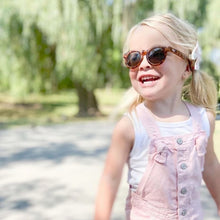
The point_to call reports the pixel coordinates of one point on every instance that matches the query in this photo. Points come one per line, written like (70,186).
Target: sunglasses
(154,56)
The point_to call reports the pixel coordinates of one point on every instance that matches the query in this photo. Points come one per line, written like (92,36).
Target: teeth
(145,79)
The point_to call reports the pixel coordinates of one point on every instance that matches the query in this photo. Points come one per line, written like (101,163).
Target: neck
(169,110)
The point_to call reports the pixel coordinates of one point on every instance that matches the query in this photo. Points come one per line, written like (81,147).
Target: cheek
(170,68)
(133,74)
(162,69)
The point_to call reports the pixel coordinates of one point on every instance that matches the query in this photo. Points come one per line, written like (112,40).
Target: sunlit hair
(200,89)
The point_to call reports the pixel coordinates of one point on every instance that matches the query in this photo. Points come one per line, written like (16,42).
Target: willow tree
(29,59)
(86,35)
(80,28)
(210,37)
(87,46)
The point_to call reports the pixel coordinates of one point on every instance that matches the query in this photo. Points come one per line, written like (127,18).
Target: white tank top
(138,157)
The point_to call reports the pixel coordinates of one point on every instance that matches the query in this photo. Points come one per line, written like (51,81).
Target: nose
(144,65)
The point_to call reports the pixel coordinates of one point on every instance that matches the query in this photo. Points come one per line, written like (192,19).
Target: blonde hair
(201,88)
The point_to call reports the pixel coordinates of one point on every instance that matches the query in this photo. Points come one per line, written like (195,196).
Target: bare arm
(122,142)
(211,174)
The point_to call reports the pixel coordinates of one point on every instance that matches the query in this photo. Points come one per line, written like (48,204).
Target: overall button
(179,141)
(183,166)
(183,213)
(183,190)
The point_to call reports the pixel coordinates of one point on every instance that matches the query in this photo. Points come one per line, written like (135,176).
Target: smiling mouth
(147,79)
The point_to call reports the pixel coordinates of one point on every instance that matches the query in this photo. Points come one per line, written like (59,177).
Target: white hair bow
(197,56)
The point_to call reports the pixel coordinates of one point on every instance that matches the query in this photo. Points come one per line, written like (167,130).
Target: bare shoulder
(123,137)
(124,130)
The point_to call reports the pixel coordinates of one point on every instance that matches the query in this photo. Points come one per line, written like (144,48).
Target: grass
(36,109)
(51,108)
(60,108)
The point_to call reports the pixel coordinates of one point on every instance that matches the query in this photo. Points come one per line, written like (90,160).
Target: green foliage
(51,45)
(31,59)
(211,31)
(210,68)
(210,41)
(90,42)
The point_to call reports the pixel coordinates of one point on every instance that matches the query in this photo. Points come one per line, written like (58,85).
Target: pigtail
(137,99)
(201,91)
(128,102)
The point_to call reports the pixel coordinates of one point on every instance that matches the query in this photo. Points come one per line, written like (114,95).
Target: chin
(149,97)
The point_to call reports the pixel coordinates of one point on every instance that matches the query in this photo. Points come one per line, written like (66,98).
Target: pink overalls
(170,187)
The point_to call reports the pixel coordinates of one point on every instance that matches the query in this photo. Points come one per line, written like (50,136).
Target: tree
(32,56)
(86,39)
(78,43)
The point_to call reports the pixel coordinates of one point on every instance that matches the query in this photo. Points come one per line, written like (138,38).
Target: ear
(187,72)
(187,68)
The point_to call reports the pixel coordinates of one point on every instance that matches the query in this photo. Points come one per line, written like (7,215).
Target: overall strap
(147,120)
(196,117)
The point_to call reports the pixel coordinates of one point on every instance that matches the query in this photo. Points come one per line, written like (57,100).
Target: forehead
(145,37)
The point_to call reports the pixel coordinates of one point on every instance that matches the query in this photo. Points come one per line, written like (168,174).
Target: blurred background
(63,58)
(61,76)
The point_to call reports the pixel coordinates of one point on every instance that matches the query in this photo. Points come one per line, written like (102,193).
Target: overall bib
(170,186)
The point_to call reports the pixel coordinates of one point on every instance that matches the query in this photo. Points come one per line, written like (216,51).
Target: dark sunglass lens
(156,56)
(133,59)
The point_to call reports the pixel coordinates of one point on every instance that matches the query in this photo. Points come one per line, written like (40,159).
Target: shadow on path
(55,144)
(52,172)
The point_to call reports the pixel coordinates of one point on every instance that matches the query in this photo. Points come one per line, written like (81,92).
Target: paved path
(52,172)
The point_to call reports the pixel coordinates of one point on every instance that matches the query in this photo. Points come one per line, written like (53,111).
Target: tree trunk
(87,102)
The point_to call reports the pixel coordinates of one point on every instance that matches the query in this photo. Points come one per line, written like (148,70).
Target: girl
(167,136)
